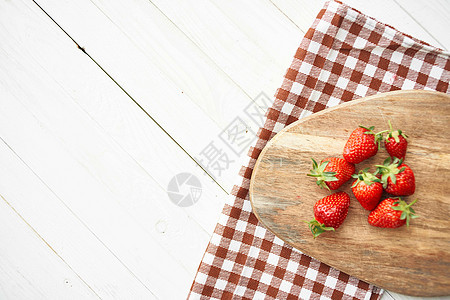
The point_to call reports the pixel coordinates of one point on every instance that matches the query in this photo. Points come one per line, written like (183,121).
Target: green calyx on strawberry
(329,213)
(318,228)
(408,212)
(366,177)
(397,178)
(395,134)
(378,136)
(389,169)
(392,213)
(367,189)
(318,171)
(396,142)
(332,172)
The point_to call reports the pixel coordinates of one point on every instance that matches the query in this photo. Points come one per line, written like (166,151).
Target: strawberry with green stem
(332,172)
(329,213)
(362,144)
(367,189)
(397,178)
(396,143)
(392,213)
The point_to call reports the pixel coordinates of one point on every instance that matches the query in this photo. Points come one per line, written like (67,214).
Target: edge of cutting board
(393,287)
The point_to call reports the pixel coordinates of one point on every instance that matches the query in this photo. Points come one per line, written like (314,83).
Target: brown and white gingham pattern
(345,55)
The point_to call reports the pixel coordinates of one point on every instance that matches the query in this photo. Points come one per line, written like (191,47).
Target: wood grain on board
(413,261)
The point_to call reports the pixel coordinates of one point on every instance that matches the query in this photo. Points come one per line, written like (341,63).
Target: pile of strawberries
(393,176)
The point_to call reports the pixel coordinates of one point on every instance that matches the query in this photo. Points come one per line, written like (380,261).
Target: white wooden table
(102,103)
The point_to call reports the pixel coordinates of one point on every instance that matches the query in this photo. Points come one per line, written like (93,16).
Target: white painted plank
(111,111)
(29,269)
(106,215)
(303,13)
(81,163)
(432,15)
(105,103)
(163,70)
(66,236)
(260,37)
(268,28)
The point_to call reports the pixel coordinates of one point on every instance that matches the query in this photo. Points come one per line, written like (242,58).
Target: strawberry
(367,189)
(392,213)
(396,143)
(362,144)
(397,178)
(332,172)
(329,213)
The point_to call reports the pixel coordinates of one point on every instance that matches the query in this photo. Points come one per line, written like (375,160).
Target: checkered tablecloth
(345,55)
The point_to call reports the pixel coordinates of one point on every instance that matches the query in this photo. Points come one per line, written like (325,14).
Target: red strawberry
(397,178)
(332,172)
(329,213)
(362,144)
(392,213)
(396,143)
(367,189)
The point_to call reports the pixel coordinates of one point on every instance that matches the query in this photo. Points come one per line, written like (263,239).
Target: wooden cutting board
(413,261)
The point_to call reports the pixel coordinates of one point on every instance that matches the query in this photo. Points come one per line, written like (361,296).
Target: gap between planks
(132,99)
(74,215)
(39,236)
